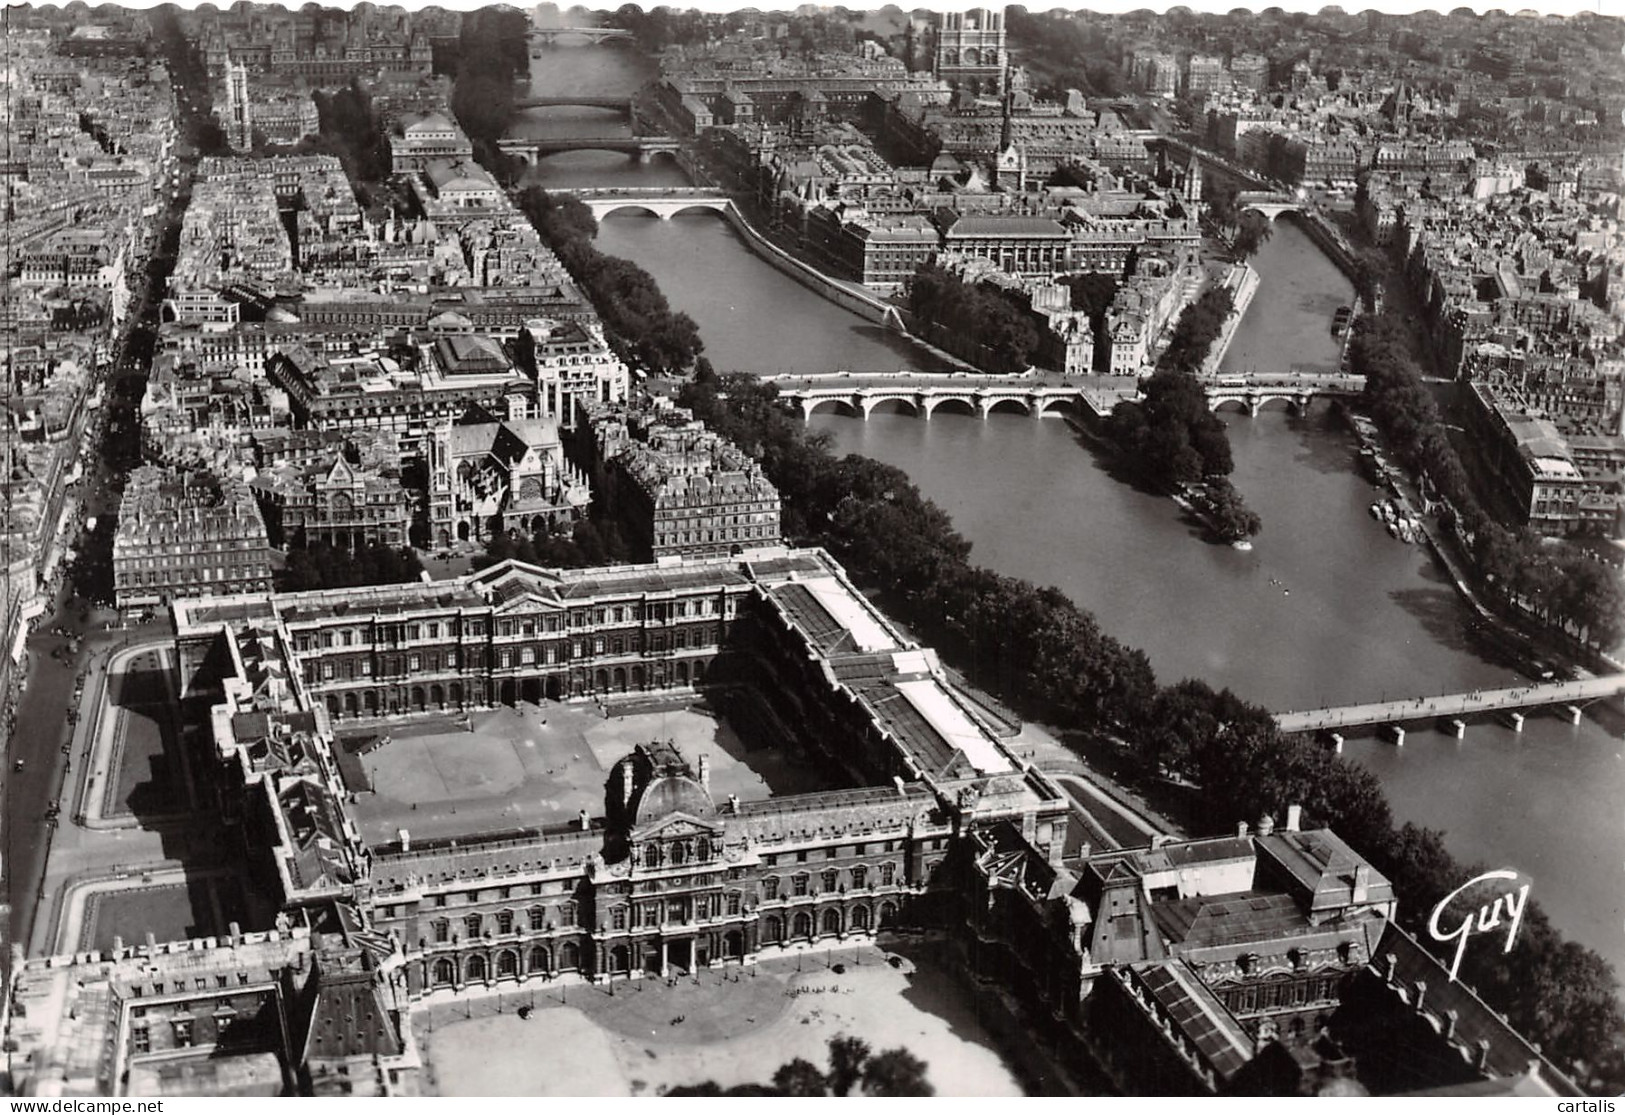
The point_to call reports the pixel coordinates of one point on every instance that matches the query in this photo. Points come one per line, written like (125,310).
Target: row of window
(830,880)
(504,920)
(934,844)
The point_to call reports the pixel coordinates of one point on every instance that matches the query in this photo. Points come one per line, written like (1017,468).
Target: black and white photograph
(828,552)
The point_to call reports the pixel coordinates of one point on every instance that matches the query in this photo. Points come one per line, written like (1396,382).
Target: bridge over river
(1035,393)
(1454,708)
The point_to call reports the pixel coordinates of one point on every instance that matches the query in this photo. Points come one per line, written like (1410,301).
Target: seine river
(1327,608)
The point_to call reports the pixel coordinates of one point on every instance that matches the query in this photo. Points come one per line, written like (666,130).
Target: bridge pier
(1459,727)
(1514,720)
(1575,713)
(1399,735)
(1337,742)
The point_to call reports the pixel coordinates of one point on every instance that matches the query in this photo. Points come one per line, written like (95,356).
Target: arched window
(832,921)
(507,963)
(539,960)
(860,918)
(475,968)
(678,853)
(772,931)
(803,926)
(570,956)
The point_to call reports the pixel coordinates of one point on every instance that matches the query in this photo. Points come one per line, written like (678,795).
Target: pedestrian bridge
(1252,392)
(1568,696)
(924,393)
(594,35)
(663,203)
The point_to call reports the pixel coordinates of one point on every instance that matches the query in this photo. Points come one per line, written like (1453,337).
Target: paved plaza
(734,1028)
(525,767)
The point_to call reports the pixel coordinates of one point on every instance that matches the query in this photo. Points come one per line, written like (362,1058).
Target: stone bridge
(594,35)
(620,104)
(663,203)
(639,147)
(1251,393)
(1269,203)
(923,393)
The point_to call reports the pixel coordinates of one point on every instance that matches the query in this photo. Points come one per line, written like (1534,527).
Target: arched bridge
(620,104)
(1251,392)
(594,35)
(1267,202)
(663,203)
(923,393)
(533,150)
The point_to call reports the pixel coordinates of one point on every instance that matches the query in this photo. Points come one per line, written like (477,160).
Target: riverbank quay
(1243,283)
(848,296)
(1517,631)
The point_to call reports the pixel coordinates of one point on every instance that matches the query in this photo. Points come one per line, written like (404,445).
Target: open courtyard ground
(200,908)
(150,779)
(730,1026)
(530,766)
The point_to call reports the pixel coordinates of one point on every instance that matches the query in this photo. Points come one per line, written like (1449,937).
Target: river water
(1326,609)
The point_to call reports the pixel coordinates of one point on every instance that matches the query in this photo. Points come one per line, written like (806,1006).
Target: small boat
(1393,528)
(1376,511)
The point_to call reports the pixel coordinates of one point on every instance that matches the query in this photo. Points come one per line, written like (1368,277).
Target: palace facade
(1265,961)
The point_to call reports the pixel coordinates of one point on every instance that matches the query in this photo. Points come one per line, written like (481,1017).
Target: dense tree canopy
(1003,337)
(1199,326)
(323,566)
(642,327)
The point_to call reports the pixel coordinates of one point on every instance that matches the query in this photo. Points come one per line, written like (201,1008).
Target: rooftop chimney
(1392,963)
(1451,1017)
(1421,993)
(1294,817)
(1241,828)
(705,771)
(733,803)
(1483,1059)
(236,931)
(1266,825)
(626,784)
(586,822)
(1362,883)
(406,839)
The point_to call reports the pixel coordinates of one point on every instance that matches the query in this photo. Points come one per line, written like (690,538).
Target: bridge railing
(653,193)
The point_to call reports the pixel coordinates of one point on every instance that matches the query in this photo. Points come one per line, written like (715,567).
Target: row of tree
(323,566)
(347,118)
(999,332)
(1199,326)
(1557,581)
(1036,649)
(590,543)
(852,1065)
(641,325)
(492,53)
